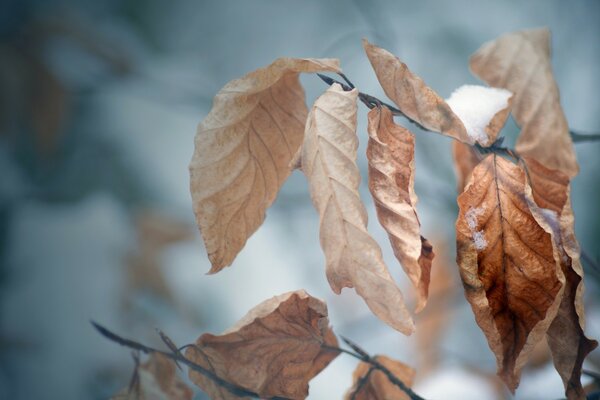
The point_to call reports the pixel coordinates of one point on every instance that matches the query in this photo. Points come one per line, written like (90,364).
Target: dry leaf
(415,99)
(353,257)
(242,153)
(520,62)
(508,263)
(376,386)
(156,379)
(391,154)
(275,350)
(466,159)
(566,338)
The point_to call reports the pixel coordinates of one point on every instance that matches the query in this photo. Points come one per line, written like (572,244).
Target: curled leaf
(156,379)
(391,153)
(508,264)
(520,62)
(371,384)
(242,153)
(466,159)
(274,351)
(415,99)
(353,257)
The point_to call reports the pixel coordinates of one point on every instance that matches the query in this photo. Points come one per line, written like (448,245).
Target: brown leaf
(520,62)
(415,99)
(242,153)
(353,257)
(374,385)
(508,264)
(391,155)
(275,350)
(466,159)
(566,338)
(156,379)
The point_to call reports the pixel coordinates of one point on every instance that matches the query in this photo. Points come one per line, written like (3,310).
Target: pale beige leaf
(274,351)
(566,338)
(375,385)
(353,257)
(415,99)
(156,379)
(391,156)
(242,153)
(520,62)
(508,264)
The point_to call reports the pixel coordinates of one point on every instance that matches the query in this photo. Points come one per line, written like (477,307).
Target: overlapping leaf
(466,159)
(520,62)
(371,384)
(156,379)
(509,266)
(274,351)
(391,181)
(242,151)
(353,257)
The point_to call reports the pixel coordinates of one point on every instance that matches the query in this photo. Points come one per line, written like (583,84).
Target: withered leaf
(566,338)
(374,385)
(353,257)
(415,99)
(510,271)
(520,62)
(275,350)
(156,379)
(466,159)
(391,153)
(242,153)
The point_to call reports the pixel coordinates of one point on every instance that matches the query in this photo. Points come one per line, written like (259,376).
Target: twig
(177,356)
(579,137)
(365,357)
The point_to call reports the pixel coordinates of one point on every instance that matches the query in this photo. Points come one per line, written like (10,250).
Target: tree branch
(579,137)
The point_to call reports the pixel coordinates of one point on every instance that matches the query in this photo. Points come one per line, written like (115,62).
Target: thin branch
(177,356)
(579,137)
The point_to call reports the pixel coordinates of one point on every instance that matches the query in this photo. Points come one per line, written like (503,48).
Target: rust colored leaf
(415,99)
(466,159)
(391,154)
(374,385)
(353,257)
(156,379)
(509,268)
(520,62)
(242,153)
(566,338)
(275,350)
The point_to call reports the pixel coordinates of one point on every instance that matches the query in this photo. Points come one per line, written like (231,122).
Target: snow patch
(476,106)
(478,236)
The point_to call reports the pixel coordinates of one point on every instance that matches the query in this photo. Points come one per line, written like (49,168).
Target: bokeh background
(99,102)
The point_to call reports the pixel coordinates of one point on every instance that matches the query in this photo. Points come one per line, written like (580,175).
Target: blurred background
(99,102)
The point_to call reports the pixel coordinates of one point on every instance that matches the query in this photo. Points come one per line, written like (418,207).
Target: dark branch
(177,356)
(579,137)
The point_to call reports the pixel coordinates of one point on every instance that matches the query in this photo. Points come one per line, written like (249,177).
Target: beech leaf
(520,62)
(391,156)
(274,351)
(508,264)
(568,344)
(353,257)
(466,159)
(374,385)
(242,152)
(156,379)
(415,99)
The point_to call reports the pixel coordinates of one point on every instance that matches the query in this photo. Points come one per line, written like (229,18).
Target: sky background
(99,103)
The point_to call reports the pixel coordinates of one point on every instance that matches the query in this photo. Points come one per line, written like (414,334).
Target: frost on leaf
(566,338)
(156,379)
(274,351)
(391,181)
(483,110)
(371,384)
(513,282)
(415,99)
(520,62)
(353,257)
(242,153)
